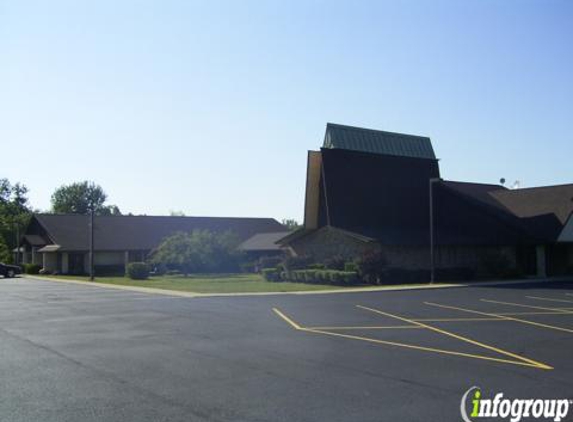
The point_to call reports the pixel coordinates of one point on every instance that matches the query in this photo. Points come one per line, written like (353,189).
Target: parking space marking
(375,327)
(535,365)
(454,319)
(521,305)
(535,313)
(521,361)
(549,299)
(456,336)
(505,317)
(287,319)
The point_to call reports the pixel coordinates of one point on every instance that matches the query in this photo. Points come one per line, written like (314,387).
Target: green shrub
(248,267)
(297,275)
(271,274)
(349,277)
(268,262)
(350,266)
(335,277)
(322,277)
(138,270)
(335,263)
(32,268)
(310,276)
(316,266)
(291,263)
(372,266)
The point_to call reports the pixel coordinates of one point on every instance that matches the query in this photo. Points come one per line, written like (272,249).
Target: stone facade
(327,242)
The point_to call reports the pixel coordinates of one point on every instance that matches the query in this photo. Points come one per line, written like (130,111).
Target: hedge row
(316,276)
(32,268)
(138,271)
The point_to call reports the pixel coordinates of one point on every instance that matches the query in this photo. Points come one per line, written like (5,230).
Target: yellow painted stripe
(491,319)
(458,337)
(507,318)
(454,319)
(534,313)
(377,327)
(549,299)
(521,305)
(536,365)
(287,319)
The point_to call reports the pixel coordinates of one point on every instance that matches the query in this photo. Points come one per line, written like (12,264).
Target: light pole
(17,242)
(92,275)
(432,236)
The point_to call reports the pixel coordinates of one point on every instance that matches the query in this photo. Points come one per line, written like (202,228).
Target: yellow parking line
(535,313)
(507,318)
(521,305)
(454,319)
(519,362)
(490,319)
(458,337)
(287,319)
(377,327)
(549,299)
(536,365)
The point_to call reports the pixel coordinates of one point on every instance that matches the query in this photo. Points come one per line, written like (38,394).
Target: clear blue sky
(209,107)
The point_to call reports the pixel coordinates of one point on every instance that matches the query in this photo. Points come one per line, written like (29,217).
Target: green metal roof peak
(377,141)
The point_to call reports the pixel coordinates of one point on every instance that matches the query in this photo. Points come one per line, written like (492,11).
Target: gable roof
(113,233)
(541,212)
(377,141)
(533,202)
(263,242)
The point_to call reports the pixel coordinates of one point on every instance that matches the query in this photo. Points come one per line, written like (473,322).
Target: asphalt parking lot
(75,353)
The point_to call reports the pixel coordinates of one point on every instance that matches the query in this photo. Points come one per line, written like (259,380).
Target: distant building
(60,243)
(369,189)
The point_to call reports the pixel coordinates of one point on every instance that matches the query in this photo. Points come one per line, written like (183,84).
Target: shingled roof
(377,142)
(114,233)
(540,211)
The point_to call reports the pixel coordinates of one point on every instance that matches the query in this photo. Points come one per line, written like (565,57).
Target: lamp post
(17,242)
(432,235)
(92,275)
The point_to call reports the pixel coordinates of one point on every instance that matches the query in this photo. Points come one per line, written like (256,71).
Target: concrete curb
(175,293)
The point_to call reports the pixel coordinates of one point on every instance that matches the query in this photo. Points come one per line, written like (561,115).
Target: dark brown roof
(539,212)
(141,232)
(533,202)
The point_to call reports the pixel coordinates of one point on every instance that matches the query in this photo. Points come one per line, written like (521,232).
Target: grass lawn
(209,283)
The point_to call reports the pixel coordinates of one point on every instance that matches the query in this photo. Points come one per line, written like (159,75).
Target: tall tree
(291,224)
(82,198)
(14,216)
(199,251)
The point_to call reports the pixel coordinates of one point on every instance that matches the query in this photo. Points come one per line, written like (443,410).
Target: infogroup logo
(513,409)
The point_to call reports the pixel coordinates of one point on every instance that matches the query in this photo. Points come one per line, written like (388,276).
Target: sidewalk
(175,293)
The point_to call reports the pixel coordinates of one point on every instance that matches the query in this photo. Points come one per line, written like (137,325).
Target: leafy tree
(291,224)
(199,251)
(14,214)
(5,255)
(82,198)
